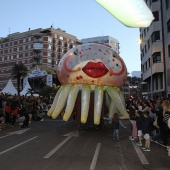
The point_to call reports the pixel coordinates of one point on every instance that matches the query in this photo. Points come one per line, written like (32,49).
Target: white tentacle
(114,94)
(85,99)
(52,108)
(98,101)
(112,109)
(71,101)
(61,101)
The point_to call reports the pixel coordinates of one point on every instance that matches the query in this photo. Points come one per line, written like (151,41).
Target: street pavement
(58,145)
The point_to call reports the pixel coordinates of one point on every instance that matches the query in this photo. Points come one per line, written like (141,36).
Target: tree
(19,71)
(49,91)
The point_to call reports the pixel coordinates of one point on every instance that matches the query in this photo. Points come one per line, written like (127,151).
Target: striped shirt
(166,117)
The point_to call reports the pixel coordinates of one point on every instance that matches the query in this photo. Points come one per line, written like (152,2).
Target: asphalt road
(58,145)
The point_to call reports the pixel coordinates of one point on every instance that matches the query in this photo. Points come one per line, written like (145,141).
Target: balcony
(37,55)
(37,47)
(157,68)
(38,40)
(38,34)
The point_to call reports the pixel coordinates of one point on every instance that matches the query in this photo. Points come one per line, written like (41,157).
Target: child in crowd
(147,128)
(115,124)
(139,123)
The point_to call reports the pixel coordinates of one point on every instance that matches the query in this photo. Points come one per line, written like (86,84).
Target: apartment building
(155,51)
(43,47)
(108,40)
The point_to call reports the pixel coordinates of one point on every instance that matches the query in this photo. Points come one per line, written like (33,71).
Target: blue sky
(82,18)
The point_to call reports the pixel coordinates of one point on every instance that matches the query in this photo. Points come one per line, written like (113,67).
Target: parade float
(90,70)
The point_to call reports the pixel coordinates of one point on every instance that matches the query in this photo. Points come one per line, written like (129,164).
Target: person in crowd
(14,116)
(139,124)
(147,128)
(132,108)
(148,108)
(7,113)
(166,114)
(115,125)
(26,116)
(2,118)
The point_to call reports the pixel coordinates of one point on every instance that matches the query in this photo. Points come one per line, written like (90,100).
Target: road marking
(57,147)
(95,157)
(74,133)
(5,136)
(123,164)
(140,154)
(69,135)
(18,132)
(17,145)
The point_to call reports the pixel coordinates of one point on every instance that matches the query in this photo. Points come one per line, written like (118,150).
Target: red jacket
(8,109)
(15,112)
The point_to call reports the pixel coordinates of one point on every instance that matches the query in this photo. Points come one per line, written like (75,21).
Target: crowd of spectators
(20,110)
(156,126)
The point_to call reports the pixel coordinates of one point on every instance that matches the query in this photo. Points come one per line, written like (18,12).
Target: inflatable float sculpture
(132,13)
(90,67)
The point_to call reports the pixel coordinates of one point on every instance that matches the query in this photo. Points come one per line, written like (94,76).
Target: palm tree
(19,71)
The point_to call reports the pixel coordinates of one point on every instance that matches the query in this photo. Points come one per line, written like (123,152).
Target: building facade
(108,40)
(43,47)
(155,51)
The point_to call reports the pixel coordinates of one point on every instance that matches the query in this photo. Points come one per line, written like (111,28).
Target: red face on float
(93,64)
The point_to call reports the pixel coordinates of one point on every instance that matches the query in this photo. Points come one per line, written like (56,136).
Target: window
(29,54)
(157,57)
(148,44)
(12,57)
(18,41)
(49,47)
(155,36)
(24,40)
(61,38)
(154,0)
(146,66)
(167,4)
(23,55)
(17,48)
(38,46)
(29,38)
(145,49)
(156,16)
(149,62)
(23,47)
(49,39)
(49,61)
(168,26)
(29,46)
(17,55)
(49,54)
(156,79)
(161,81)
(168,50)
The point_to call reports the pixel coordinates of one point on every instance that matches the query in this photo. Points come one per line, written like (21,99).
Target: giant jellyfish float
(90,68)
